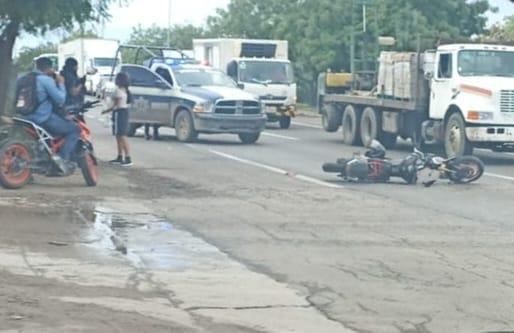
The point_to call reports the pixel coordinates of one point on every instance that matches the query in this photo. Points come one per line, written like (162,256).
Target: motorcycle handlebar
(81,108)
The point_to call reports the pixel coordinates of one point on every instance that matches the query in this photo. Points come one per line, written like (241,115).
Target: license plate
(270,109)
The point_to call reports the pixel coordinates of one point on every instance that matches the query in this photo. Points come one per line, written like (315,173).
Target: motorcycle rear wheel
(88,165)
(465,170)
(15,160)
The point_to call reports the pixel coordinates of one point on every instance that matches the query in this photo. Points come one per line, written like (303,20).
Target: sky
(148,12)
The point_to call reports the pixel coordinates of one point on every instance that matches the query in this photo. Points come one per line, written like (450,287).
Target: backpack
(26,101)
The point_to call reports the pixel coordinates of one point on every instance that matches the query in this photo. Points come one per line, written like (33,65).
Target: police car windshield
(202,77)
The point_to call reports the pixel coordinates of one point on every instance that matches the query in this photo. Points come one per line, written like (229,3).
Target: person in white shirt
(120,119)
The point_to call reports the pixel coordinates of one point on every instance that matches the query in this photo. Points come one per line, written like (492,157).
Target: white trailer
(260,67)
(459,96)
(94,55)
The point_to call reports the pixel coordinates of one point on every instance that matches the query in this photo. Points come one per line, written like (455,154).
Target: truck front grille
(237,107)
(507,101)
(273,98)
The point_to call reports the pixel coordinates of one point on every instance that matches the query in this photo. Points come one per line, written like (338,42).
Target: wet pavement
(104,260)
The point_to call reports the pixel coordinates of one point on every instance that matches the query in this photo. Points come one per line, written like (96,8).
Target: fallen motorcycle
(30,149)
(374,167)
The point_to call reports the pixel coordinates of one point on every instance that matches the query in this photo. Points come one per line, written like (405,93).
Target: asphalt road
(266,242)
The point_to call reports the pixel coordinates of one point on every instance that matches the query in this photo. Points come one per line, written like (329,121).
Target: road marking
(276,170)
(307,125)
(493,175)
(317,181)
(280,136)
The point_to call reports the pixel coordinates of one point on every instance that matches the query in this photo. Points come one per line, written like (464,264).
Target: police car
(191,98)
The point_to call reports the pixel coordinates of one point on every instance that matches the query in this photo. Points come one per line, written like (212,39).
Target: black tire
(15,159)
(369,126)
(249,138)
(331,118)
(333,168)
(88,164)
(132,129)
(351,126)
(455,141)
(185,127)
(466,169)
(285,122)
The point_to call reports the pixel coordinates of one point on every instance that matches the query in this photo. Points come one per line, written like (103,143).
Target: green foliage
(181,36)
(42,15)
(39,16)
(24,61)
(319,31)
(80,34)
(503,32)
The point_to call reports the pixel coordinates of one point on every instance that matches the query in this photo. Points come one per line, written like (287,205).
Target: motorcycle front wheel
(464,170)
(89,166)
(15,160)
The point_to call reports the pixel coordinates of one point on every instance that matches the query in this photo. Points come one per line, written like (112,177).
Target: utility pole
(169,23)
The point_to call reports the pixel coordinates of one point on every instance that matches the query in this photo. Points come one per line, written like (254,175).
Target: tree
(503,32)
(38,16)
(319,31)
(181,36)
(24,61)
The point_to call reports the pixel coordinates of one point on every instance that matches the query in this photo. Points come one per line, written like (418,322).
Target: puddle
(146,240)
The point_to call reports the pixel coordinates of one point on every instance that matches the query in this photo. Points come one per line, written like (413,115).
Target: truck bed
(370,100)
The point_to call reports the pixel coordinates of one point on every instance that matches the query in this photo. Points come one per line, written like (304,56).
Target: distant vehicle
(260,67)
(459,96)
(171,89)
(52,56)
(96,58)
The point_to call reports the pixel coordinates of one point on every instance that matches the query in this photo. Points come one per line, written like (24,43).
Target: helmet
(376,150)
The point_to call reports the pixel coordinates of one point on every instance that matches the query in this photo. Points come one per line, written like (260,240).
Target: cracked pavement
(216,246)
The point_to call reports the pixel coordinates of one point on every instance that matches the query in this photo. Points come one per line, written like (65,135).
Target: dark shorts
(120,122)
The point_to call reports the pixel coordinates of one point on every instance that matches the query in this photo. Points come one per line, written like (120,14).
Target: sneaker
(127,162)
(118,160)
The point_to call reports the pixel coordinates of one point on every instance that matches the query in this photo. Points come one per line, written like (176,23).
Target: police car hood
(214,93)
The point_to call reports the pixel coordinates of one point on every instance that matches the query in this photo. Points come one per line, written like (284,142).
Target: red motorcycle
(29,149)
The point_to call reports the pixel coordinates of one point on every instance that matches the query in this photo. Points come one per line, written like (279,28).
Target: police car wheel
(185,127)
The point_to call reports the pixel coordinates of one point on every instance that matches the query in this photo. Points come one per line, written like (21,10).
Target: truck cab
(260,67)
(471,102)
(272,80)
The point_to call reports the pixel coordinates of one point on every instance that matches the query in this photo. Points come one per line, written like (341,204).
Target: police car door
(151,96)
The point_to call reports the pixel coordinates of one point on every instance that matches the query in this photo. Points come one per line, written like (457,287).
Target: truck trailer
(457,97)
(260,67)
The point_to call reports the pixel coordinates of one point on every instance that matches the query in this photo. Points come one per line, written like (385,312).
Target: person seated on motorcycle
(51,94)
(75,90)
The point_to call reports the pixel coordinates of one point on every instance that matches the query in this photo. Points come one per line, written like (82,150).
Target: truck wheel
(369,126)
(132,129)
(185,127)
(351,125)
(285,122)
(249,138)
(331,118)
(455,141)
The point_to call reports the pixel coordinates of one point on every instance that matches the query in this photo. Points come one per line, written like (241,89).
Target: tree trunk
(7,39)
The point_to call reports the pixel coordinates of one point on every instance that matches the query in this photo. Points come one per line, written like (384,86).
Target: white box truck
(260,67)
(93,55)
(458,97)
